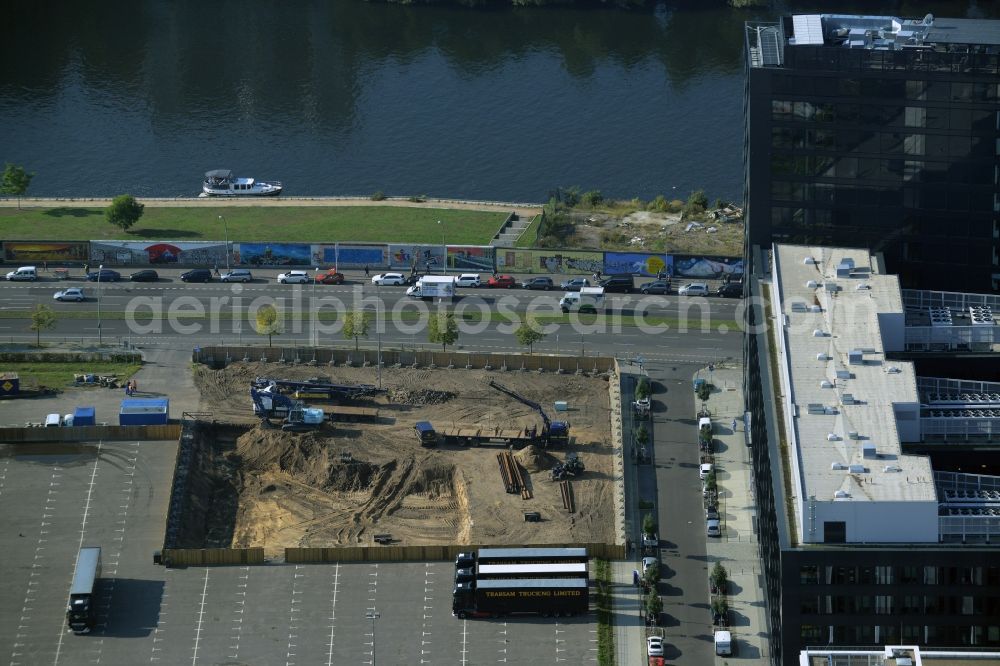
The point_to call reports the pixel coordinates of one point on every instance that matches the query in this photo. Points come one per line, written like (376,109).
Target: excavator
(554,433)
(269,404)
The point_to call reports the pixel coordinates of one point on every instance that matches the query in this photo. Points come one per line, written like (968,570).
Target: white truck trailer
(434,286)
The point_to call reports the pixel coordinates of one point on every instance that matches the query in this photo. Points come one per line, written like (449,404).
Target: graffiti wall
(636,263)
(27,252)
(403,257)
(157,253)
(345,255)
(272,254)
(548,261)
(707,267)
(470,258)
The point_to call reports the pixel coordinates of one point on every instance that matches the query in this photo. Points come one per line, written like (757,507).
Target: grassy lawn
(60,374)
(318,224)
(530,235)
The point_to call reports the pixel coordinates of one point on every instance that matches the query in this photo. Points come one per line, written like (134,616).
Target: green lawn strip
(530,234)
(291,224)
(61,374)
(327,317)
(605,626)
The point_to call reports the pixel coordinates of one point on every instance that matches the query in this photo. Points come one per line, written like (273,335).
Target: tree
(697,202)
(642,435)
(269,322)
(42,319)
(124,211)
(652,575)
(648,525)
(528,333)
(642,388)
(356,325)
(592,198)
(654,605)
(718,577)
(443,328)
(15,181)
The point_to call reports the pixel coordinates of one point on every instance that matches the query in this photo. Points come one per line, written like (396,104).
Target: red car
(501,282)
(330,277)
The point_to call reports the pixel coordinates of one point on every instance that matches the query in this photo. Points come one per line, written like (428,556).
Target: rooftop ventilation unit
(856,357)
(845,374)
(831,286)
(819,333)
(981,316)
(841,494)
(857,469)
(845,267)
(826,383)
(837,466)
(816,408)
(832,437)
(798,306)
(816,308)
(811,284)
(863,286)
(940,316)
(847,399)
(892,468)
(822,357)
(893,370)
(868,450)
(809,261)
(853,434)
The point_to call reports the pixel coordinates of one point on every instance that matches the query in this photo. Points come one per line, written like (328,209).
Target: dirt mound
(403,396)
(535,459)
(433,481)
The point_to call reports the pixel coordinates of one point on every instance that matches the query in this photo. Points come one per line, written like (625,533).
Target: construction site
(293,455)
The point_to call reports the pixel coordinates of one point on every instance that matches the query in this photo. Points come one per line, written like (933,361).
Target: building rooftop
(891,33)
(892,655)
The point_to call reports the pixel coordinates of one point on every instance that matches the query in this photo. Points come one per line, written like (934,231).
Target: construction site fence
(220,357)
(169,431)
(390,553)
(202,557)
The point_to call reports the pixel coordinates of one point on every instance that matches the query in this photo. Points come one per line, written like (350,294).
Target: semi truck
(81,609)
(530,596)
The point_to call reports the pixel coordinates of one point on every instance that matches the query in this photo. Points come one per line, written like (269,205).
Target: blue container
(84,416)
(144,411)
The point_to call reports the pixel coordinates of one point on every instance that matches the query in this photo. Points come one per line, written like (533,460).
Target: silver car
(294,277)
(237,275)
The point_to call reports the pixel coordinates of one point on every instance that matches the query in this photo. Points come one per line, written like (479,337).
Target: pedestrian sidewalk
(737,550)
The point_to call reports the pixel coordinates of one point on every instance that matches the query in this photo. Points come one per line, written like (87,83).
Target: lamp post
(225,226)
(373,615)
(444,249)
(313,312)
(378,335)
(100,337)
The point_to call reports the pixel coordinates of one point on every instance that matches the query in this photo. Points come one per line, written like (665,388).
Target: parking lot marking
(201,616)
(503,641)
(428,606)
(333,612)
(465,641)
(292,626)
(239,608)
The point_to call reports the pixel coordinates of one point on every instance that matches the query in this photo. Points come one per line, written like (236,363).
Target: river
(342,97)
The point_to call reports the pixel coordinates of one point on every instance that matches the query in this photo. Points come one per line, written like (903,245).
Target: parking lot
(114,495)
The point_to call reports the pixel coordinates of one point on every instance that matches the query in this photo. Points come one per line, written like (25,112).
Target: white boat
(222,183)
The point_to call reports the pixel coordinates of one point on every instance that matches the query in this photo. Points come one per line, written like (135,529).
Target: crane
(295,416)
(553,432)
(331,391)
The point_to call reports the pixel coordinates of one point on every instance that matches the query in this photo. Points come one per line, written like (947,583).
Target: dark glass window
(891,142)
(809,574)
(834,531)
(916,90)
(849,87)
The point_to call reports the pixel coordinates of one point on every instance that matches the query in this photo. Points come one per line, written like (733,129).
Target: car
(648,562)
(467,280)
(730,290)
(293,277)
(24,273)
(654,646)
(104,275)
(71,294)
(414,291)
(713,528)
(694,289)
(144,276)
(197,275)
(575,284)
(543,283)
(388,279)
(712,512)
(622,283)
(501,282)
(237,275)
(704,470)
(655,287)
(330,276)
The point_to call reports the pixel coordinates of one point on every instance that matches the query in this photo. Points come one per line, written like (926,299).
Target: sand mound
(535,459)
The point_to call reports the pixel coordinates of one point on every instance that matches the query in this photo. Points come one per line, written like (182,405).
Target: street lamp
(313,313)
(100,337)
(373,615)
(378,334)
(444,249)
(225,226)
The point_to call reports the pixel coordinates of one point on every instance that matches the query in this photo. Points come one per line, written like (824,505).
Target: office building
(882,133)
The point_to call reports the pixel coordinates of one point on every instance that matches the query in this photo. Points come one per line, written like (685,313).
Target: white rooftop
(844,403)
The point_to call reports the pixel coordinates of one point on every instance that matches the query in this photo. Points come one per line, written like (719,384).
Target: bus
(82,607)
(521,556)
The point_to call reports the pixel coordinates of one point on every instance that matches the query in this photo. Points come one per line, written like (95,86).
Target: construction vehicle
(317,389)
(269,404)
(554,433)
(568,469)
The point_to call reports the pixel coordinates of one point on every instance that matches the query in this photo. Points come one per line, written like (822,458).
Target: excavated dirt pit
(349,481)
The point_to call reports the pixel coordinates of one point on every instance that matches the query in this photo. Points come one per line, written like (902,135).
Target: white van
(53,421)
(723,643)
(23,273)
(588,299)
(467,280)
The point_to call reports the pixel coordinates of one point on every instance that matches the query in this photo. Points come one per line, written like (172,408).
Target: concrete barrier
(392,553)
(169,431)
(202,557)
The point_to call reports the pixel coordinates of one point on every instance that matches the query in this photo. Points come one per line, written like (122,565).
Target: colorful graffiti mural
(272,254)
(549,261)
(28,252)
(636,263)
(404,257)
(157,253)
(354,256)
(470,258)
(706,267)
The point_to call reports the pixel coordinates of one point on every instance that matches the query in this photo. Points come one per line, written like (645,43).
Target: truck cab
(465,575)
(588,299)
(425,433)
(465,560)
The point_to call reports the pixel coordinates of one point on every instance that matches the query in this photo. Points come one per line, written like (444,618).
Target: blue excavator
(293,415)
(554,433)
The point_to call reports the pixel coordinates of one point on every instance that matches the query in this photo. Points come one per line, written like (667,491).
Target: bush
(417,198)
(648,524)
(658,205)
(378,196)
(592,198)
(642,435)
(642,388)
(675,206)
(704,391)
(697,203)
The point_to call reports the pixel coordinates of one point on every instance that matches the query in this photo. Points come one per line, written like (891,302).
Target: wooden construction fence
(201,557)
(391,553)
(169,431)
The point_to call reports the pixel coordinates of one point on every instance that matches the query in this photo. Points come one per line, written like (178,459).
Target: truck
(588,299)
(537,596)
(81,609)
(433,286)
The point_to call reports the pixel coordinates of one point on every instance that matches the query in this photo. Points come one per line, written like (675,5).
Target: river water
(343,97)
